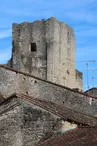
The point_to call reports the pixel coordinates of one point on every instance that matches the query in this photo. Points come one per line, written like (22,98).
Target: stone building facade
(36,109)
(92,91)
(28,121)
(12,81)
(24,124)
(46,49)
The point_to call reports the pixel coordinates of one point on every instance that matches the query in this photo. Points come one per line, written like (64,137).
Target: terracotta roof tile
(81,136)
(78,137)
(61,111)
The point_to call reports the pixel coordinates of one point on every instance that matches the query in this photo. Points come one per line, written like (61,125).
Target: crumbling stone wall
(38,124)
(11,82)
(24,124)
(29,48)
(46,49)
(79,79)
(10,124)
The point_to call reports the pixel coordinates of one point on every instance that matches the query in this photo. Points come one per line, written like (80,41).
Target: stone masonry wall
(11,82)
(79,79)
(24,124)
(38,124)
(10,124)
(60,53)
(29,48)
(46,49)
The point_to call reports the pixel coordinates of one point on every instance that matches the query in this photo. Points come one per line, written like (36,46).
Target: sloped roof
(77,137)
(63,112)
(94,88)
(81,136)
(73,90)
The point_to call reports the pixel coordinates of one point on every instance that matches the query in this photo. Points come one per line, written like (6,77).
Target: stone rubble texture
(43,67)
(24,124)
(13,82)
(54,57)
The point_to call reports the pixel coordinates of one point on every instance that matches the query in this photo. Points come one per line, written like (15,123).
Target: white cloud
(5,33)
(81,15)
(32,7)
(91,32)
(5,55)
(86,51)
(30,13)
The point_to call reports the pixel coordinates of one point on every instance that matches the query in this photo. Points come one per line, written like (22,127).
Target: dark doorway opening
(33,47)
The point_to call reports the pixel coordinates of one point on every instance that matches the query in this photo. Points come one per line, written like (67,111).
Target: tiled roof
(78,137)
(81,136)
(63,112)
(94,88)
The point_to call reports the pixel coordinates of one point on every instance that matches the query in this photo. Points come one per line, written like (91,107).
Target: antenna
(95,69)
(87,76)
(87,64)
(87,61)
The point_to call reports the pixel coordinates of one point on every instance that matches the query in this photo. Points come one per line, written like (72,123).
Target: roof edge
(70,89)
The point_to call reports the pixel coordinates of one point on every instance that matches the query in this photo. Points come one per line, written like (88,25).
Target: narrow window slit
(33,47)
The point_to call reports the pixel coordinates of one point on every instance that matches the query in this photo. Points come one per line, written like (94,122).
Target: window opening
(33,47)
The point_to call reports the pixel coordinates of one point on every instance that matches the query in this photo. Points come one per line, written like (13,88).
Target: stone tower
(46,49)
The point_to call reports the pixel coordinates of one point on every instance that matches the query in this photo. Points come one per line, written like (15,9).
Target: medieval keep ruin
(38,106)
(46,49)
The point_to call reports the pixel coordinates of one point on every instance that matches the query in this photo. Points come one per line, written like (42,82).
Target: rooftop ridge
(63,112)
(82,93)
(76,137)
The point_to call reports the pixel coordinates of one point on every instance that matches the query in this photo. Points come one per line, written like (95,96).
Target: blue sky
(80,14)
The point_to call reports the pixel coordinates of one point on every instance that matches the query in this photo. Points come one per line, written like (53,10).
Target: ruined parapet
(45,49)
(79,79)
(12,81)
(29,48)
(60,53)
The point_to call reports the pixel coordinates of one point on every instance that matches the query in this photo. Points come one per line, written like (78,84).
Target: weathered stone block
(46,49)
(24,124)
(13,82)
